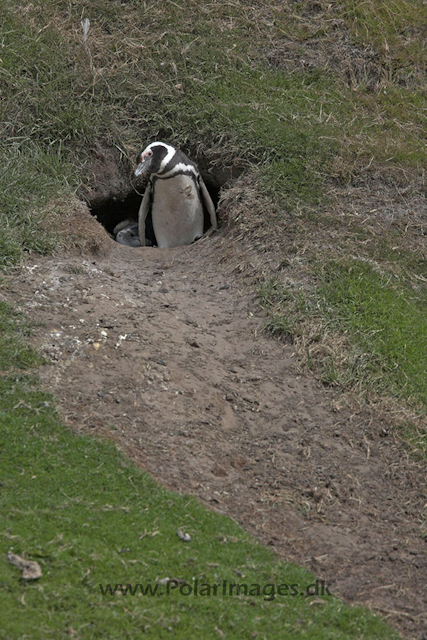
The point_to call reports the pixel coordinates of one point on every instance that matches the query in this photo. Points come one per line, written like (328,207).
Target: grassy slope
(388,322)
(197,74)
(383,321)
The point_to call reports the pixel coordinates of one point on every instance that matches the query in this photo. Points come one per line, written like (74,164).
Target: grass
(96,523)
(386,321)
(14,353)
(397,30)
(220,79)
(382,318)
(29,178)
(279,301)
(145,73)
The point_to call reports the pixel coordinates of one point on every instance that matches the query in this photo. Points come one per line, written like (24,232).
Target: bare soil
(163,351)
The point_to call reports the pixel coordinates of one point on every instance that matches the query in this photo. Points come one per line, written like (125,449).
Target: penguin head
(154,158)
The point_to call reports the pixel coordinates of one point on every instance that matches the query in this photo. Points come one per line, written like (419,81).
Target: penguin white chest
(177,211)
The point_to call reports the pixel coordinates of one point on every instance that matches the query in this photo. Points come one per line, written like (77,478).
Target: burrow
(113,197)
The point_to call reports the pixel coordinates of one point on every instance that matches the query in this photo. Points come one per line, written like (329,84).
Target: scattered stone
(185,537)
(105,324)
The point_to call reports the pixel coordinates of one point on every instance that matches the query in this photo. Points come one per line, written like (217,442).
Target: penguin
(176,195)
(126,232)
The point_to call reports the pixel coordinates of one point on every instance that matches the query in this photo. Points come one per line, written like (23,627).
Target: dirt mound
(78,231)
(163,352)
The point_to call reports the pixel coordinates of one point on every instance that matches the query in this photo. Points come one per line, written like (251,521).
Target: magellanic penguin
(176,194)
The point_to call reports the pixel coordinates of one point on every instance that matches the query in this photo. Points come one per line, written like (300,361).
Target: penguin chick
(175,194)
(126,232)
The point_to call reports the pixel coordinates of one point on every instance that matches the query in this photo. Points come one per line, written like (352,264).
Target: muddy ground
(163,351)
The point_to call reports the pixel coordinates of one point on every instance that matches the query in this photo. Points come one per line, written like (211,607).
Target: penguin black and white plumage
(176,195)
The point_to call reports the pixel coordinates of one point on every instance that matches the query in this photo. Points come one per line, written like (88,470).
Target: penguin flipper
(143,212)
(207,200)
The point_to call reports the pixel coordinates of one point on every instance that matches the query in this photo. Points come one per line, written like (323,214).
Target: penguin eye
(146,155)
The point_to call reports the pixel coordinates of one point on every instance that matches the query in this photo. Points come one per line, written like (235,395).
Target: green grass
(159,72)
(281,305)
(90,517)
(387,322)
(391,117)
(383,319)
(390,125)
(15,354)
(397,30)
(198,75)
(30,176)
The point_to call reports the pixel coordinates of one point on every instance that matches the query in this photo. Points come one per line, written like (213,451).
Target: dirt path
(163,352)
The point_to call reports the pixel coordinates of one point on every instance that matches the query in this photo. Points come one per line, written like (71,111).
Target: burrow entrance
(113,207)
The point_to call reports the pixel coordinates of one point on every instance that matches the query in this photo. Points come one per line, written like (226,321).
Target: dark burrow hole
(118,207)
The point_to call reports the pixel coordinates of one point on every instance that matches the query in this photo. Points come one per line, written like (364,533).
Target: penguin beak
(144,164)
(140,169)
